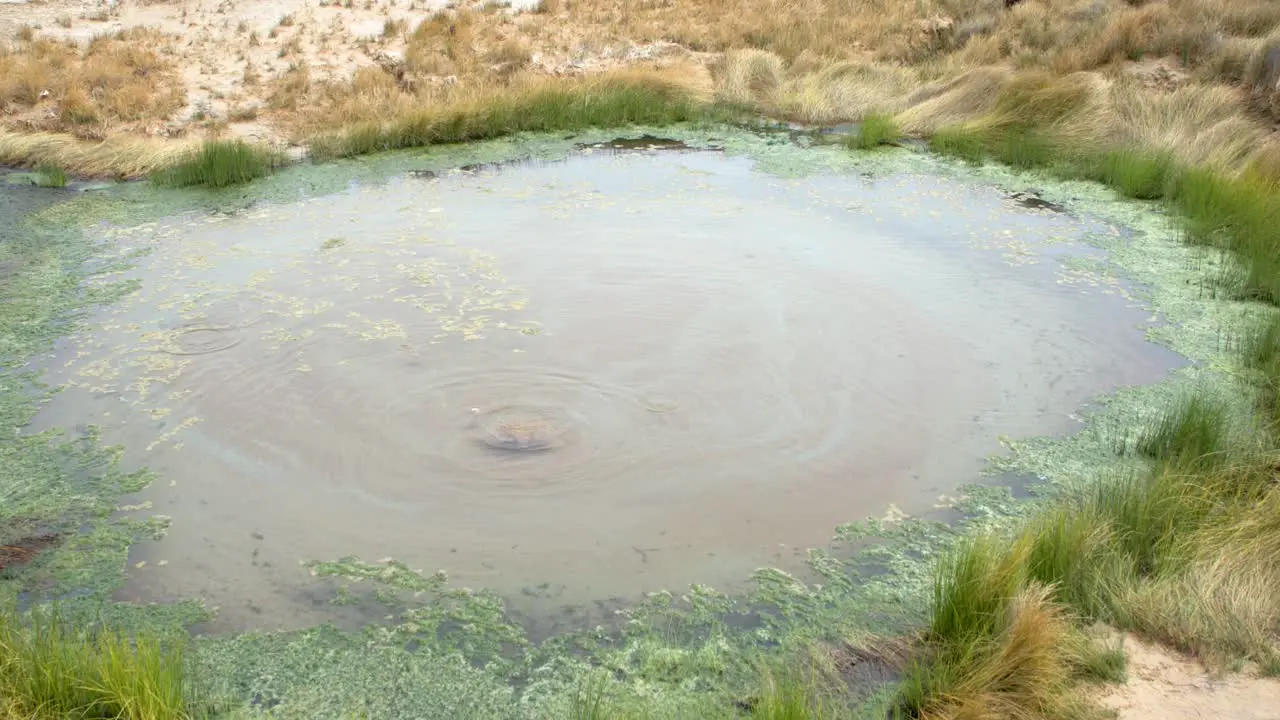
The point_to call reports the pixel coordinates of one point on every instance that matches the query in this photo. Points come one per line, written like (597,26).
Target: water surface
(582,380)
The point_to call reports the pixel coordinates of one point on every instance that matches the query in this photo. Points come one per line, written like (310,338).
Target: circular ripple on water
(526,432)
(200,339)
(523,428)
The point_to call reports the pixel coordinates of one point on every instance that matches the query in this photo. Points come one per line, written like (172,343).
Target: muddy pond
(578,381)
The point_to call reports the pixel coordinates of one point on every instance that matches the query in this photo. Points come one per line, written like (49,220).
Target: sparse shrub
(76,107)
(513,53)
(392,27)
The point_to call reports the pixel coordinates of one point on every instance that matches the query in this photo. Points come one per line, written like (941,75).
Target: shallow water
(582,380)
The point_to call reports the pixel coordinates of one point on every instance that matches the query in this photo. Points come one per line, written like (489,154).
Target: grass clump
(1021,662)
(1192,432)
(1136,174)
(790,696)
(48,669)
(1262,356)
(51,176)
(1023,149)
(876,130)
(958,143)
(219,163)
(1241,215)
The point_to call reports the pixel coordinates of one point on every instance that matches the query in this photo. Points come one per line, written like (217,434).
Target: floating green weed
(219,163)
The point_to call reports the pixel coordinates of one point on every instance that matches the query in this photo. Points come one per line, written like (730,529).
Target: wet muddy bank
(806,216)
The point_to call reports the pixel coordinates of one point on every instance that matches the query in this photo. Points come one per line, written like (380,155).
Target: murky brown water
(593,378)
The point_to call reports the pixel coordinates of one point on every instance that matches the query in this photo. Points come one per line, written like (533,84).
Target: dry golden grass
(1195,78)
(120,155)
(115,82)
(1023,671)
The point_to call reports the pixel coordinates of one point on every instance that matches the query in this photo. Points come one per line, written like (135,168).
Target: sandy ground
(228,51)
(1166,686)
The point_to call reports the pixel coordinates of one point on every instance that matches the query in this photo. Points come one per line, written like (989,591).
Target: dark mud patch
(1032,201)
(863,668)
(642,143)
(23,551)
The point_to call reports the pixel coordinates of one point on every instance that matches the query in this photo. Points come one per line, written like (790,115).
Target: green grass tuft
(1262,355)
(51,176)
(1023,149)
(958,143)
(1068,552)
(218,164)
(876,130)
(1193,432)
(52,670)
(1136,174)
(973,588)
(790,695)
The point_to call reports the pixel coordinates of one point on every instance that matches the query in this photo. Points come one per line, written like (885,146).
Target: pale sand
(216,42)
(1164,685)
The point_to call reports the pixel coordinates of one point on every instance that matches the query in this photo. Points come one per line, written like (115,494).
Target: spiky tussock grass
(1191,432)
(217,164)
(1022,664)
(48,669)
